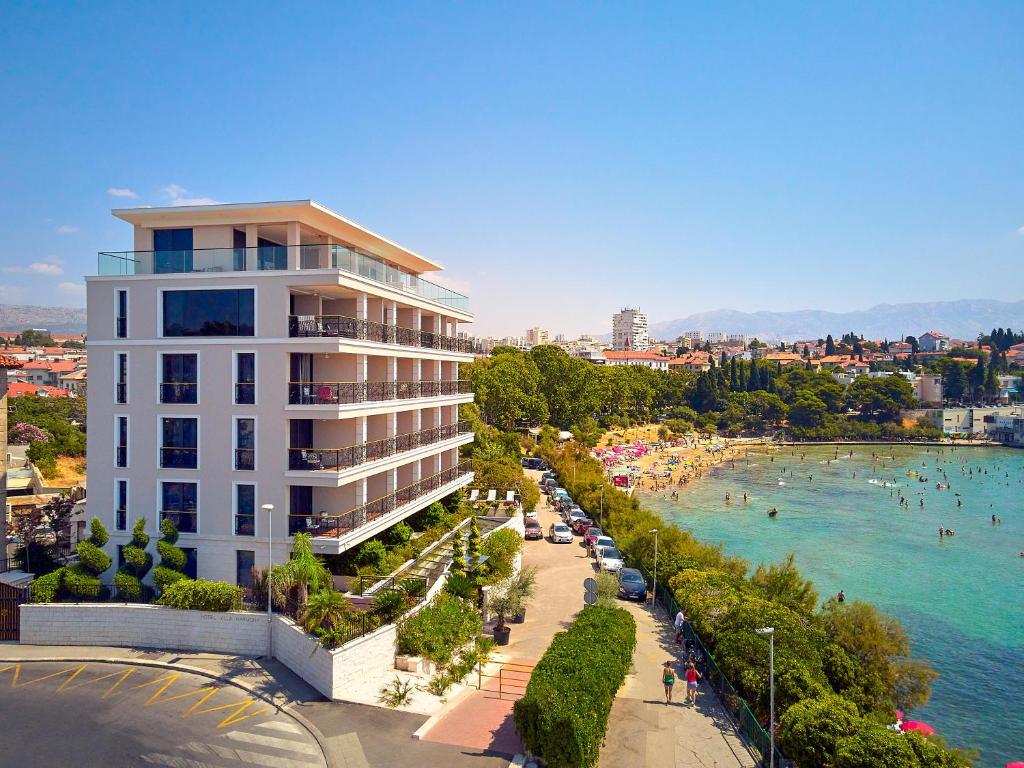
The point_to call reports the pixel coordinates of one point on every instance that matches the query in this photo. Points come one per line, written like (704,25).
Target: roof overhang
(307,212)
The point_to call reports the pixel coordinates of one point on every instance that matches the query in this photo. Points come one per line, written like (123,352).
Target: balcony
(179,392)
(349,392)
(336,526)
(339,326)
(184,519)
(338,459)
(245,458)
(179,458)
(277,258)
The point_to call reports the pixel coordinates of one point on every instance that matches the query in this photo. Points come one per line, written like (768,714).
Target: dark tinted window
(209,313)
(245,384)
(245,560)
(179,382)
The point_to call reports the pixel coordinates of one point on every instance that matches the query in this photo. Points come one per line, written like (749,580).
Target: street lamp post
(602,505)
(770,631)
(654,591)
(269,509)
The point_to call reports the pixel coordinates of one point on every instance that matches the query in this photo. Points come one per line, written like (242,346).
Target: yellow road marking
(17,675)
(115,685)
(236,716)
(209,690)
(170,678)
(188,712)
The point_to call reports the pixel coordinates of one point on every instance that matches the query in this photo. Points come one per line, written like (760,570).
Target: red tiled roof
(7,361)
(627,355)
(21,389)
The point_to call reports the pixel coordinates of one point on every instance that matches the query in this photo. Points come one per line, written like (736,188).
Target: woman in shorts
(668,679)
(692,676)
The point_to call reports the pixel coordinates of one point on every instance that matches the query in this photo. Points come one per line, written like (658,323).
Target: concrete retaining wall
(144,626)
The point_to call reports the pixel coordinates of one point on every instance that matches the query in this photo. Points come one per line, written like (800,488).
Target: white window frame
(127,503)
(255,376)
(234,443)
(160,502)
(127,376)
(160,440)
(127,305)
(255,509)
(255,310)
(160,374)
(128,439)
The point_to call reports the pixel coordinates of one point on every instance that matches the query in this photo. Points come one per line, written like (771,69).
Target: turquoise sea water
(961,598)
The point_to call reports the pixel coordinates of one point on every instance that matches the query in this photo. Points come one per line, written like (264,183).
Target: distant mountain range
(18,317)
(963,319)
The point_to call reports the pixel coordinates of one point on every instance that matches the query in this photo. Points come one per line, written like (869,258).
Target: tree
(508,390)
(808,411)
(875,746)
(734,382)
(915,345)
(783,583)
(880,400)
(82,579)
(304,571)
(571,387)
(830,345)
(137,562)
(458,558)
(810,729)
(324,606)
(31,337)
(172,558)
(954,381)
(976,379)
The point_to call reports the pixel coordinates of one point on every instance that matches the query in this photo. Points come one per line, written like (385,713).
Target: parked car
(548,476)
(530,514)
(531,462)
(591,534)
(580,525)
(632,585)
(560,533)
(609,560)
(533,530)
(572,517)
(599,543)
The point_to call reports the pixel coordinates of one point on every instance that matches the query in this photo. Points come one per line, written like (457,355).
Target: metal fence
(746,722)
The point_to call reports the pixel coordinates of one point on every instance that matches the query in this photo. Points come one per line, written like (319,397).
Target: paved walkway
(644,731)
(481,718)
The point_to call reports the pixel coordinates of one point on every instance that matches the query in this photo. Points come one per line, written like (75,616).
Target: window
(245,509)
(245,443)
(121,383)
(179,381)
(179,504)
(245,561)
(245,378)
(121,324)
(179,448)
(191,567)
(223,312)
(121,449)
(121,505)
(173,250)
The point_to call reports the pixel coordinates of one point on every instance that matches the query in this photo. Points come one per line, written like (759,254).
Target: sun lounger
(492,496)
(474,494)
(510,497)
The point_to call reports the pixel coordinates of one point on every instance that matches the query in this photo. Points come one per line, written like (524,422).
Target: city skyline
(716,161)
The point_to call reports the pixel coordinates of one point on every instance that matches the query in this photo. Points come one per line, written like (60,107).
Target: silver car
(599,543)
(609,560)
(560,533)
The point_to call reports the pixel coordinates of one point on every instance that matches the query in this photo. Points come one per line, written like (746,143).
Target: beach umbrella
(917,725)
(1015,765)
(899,714)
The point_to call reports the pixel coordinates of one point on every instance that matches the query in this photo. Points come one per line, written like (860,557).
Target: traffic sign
(590,598)
(590,584)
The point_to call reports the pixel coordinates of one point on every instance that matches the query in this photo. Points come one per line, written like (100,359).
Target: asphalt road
(100,715)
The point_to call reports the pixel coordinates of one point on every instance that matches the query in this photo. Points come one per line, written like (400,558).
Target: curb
(299,718)
(438,716)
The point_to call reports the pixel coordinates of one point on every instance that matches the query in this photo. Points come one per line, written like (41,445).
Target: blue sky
(561,160)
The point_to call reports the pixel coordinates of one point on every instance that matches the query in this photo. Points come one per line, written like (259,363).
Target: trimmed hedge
(202,595)
(564,714)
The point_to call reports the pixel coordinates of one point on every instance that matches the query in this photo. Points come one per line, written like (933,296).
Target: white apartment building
(696,338)
(629,331)
(537,337)
(269,354)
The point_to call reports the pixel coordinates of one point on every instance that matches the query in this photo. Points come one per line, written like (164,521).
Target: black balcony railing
(184,520)
(182,392)
(245,393)
(245,525)
(339,326)
(245,458)
(121,520)
(347,392)
(121,331)
(179,458)
(335,526)
(336,459)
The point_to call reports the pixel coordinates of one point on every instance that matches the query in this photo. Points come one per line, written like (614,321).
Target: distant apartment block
(629,331)
(537,337)
(933,341)
(269,353)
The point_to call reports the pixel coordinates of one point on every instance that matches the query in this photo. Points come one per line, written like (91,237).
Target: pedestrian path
(644,731)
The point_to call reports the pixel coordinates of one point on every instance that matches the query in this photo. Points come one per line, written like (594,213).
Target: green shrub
(128,587)
(500,548)
(875,746)
(389,604)
(92,557)
(80,583)
(810,729)
(202,595)
(436,631)
(461,585)
(163,577)
(44,589)
(98,533)
(371,553)
(564,714)
(397,535)
(171,556)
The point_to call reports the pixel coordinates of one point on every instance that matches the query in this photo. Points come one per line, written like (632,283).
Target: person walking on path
(692,676)
(668,679)
(678,624)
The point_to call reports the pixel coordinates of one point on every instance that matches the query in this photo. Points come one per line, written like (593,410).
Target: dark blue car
(632,585)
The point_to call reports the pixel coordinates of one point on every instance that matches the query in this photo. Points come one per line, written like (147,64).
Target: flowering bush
(23,432)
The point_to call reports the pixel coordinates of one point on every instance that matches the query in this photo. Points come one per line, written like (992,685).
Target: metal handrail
(276,257)
(336,526)
(344,327)
(348,392)
(344,458)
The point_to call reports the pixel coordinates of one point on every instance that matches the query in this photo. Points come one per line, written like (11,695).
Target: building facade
(269,354)
(629,331)
(537,337)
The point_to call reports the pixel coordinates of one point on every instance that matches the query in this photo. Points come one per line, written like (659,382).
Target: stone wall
(144,626)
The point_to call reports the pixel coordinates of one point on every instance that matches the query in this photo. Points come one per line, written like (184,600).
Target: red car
(533,530)
(580,525)
(591,535)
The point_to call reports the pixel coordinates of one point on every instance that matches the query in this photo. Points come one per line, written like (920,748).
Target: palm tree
(325,606)
(305,570)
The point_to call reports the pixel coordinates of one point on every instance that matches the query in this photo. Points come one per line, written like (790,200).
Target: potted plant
(504,603)
(523,585)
